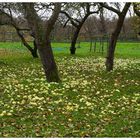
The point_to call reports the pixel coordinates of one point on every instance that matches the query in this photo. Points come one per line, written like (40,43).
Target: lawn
(88,103)
(123,49)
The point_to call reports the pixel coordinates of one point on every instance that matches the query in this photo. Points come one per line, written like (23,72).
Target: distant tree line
(90,29)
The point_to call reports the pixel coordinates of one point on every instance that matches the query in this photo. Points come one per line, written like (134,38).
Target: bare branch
(69,17)
(105,5)
(53,18)
(66,23)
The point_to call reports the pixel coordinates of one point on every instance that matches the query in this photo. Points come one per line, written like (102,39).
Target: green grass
(123,50)
(88,103)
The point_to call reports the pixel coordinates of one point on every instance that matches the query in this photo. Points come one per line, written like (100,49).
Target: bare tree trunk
(42,34)
(76,34)
(113,40)
(112,44)
(73,42)
(47,59)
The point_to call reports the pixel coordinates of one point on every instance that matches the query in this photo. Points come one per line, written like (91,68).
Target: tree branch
(53,18)
(66,23)
(69,17)
(105,5)
(136,10)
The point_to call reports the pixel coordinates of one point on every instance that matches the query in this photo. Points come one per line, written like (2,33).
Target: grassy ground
(88,103)
(123,49)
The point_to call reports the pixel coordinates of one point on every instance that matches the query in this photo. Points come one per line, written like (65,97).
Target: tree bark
(35,49)
(73,42)
(112,44)
(47,59)
(114,38)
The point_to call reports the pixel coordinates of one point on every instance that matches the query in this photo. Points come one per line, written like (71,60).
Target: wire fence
(96,43)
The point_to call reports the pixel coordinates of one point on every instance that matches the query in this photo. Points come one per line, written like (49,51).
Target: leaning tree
(8,15)
(41,29)
(115,34)
(77,14)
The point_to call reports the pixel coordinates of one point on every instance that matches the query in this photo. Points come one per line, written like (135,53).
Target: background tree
(77,13)
(116,32)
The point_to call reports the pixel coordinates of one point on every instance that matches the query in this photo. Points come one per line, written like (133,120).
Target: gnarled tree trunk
(42,33)
(47,59)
